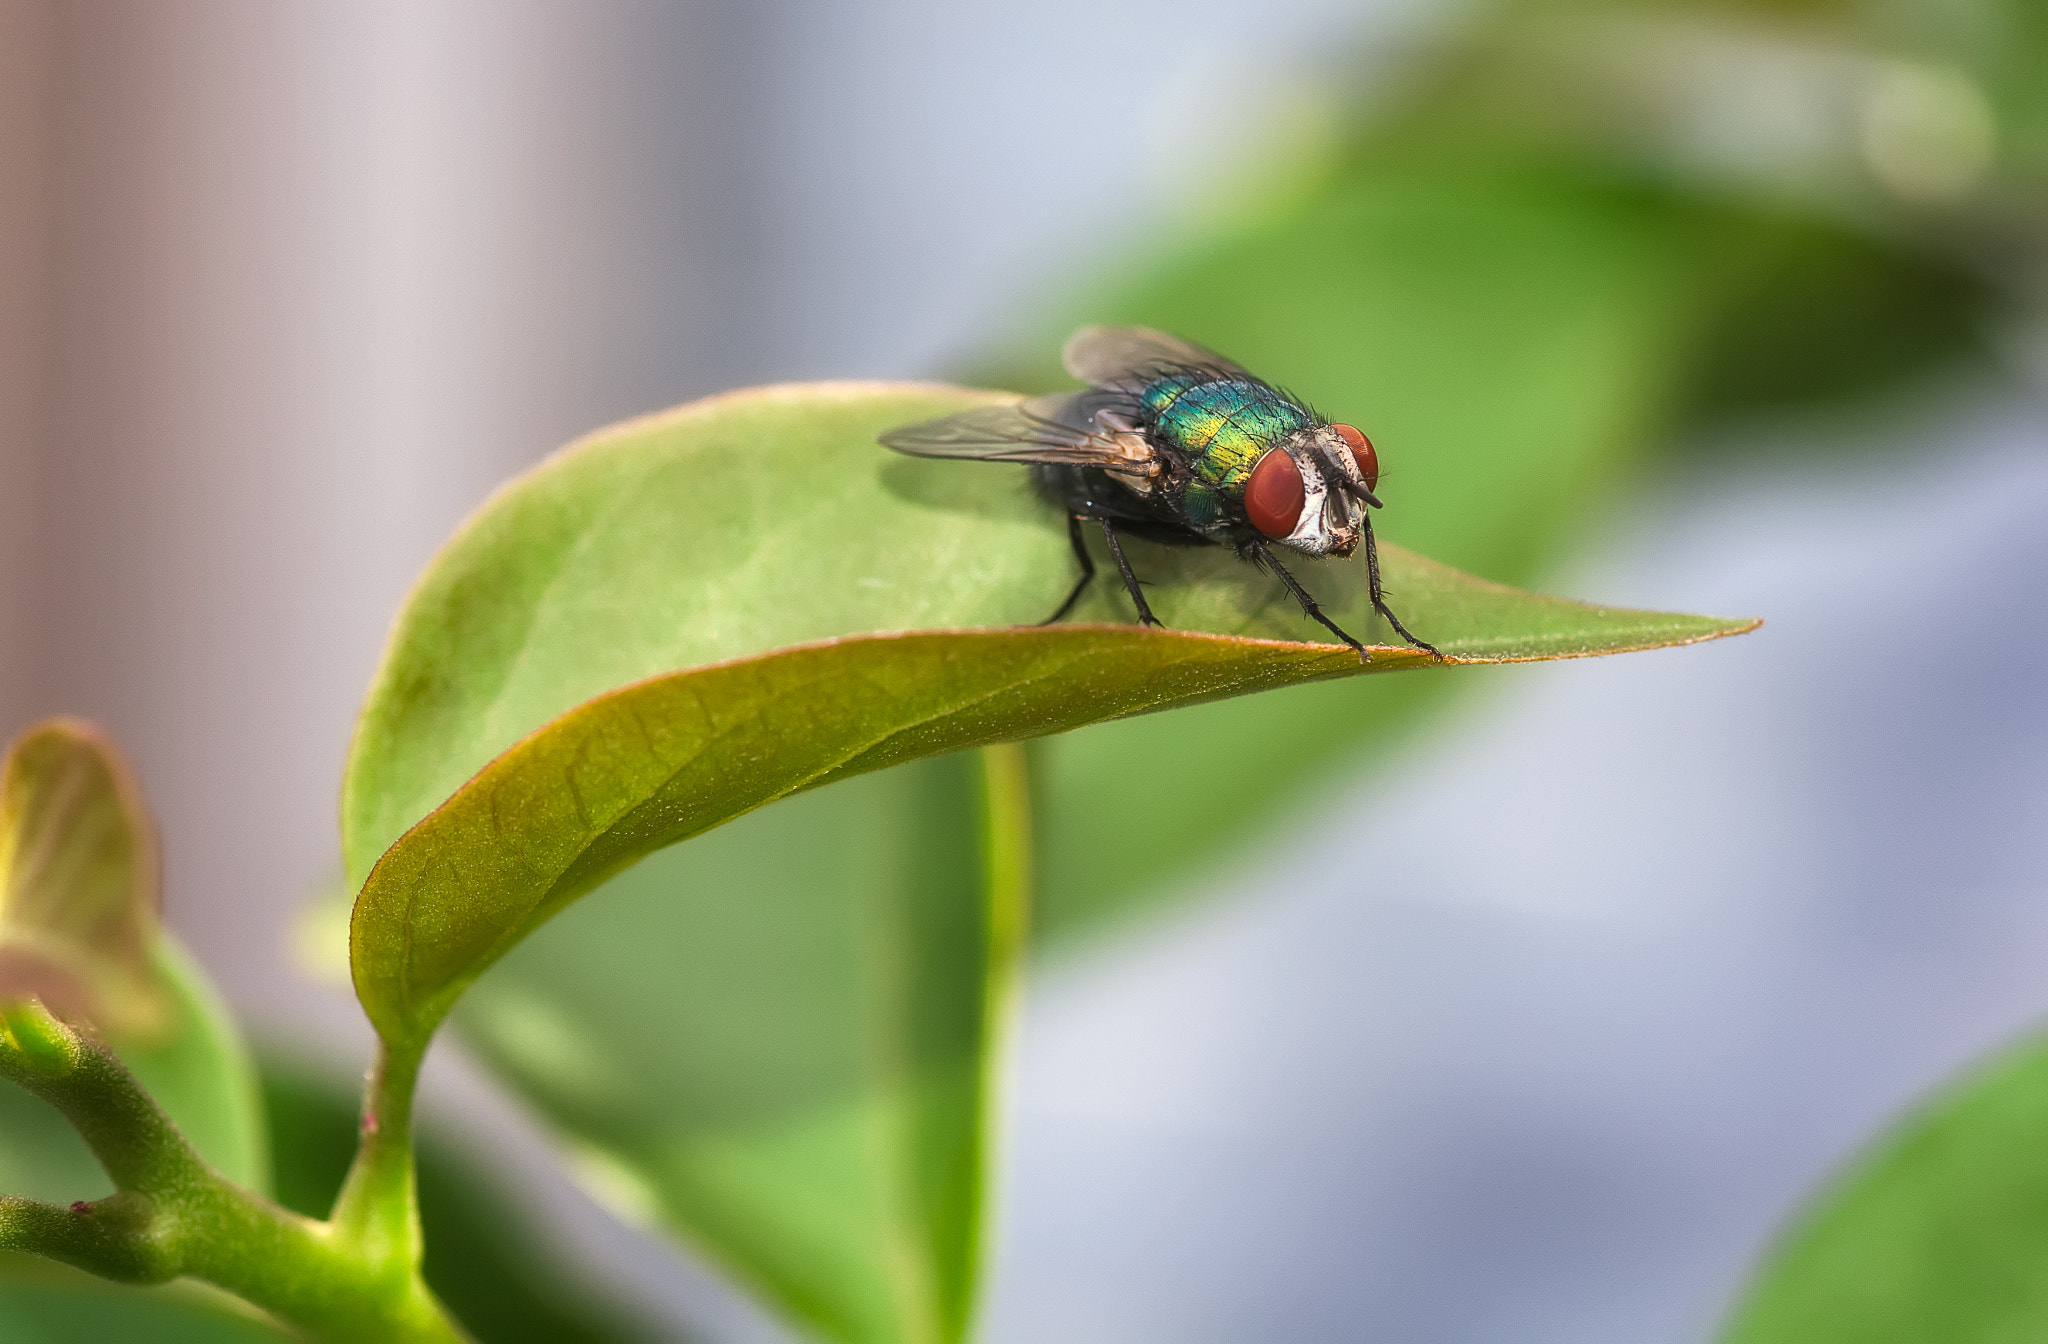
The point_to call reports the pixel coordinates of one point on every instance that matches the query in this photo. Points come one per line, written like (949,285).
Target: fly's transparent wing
(1055,429)
(998,433)
(1139,355)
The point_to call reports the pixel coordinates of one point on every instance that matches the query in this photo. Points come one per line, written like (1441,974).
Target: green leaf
(754,521)
(78,928)
(1939,1233)
(44,1303)
(200,1072)
(78,880)
(765,544)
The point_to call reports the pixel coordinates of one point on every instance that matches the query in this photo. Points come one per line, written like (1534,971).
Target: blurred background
(1533,1005)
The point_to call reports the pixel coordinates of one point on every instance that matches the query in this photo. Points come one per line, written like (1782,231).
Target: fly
(1178,445)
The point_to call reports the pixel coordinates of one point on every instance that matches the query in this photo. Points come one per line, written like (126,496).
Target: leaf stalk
(172,1214)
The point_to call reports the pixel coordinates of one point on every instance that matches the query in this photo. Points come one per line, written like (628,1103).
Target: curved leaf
(78,928)
(656,763)
(812,1104)
(78,880)
(1940,1233)
(762,519)
(719,530)
(770,518)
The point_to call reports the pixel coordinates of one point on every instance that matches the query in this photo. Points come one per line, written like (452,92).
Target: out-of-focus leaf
(41,1156)
(1827,272)
(78,881)
(1939,1233)
(768,530)
(483,1260)
(1923,119)
(201,1074)
(78,927)
(1799,314)
(46,1303)
(772,1041)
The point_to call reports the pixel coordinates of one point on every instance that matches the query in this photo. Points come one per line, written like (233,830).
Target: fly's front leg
(1308,604)
(1379,601)
(1087,569)
(1123,567)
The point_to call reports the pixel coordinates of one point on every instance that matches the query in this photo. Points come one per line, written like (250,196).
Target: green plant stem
(172,1214)
(1006,874)
(377,1211)
(1006,848)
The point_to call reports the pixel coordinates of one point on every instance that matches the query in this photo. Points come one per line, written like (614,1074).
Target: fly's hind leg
(1308,604)
(1123,567)
(1087,570)
(1379,600)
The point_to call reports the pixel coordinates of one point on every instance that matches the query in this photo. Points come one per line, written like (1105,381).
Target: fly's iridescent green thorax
(1221,427)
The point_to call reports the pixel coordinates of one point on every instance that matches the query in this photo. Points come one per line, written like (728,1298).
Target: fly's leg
(1379,600)
(1087,570)
(1123,567)
(1308,604)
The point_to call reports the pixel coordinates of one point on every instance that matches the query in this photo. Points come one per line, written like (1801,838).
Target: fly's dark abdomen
(1092,493)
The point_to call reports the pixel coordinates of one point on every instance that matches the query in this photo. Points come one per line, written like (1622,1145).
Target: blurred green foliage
(46,1303)
(1804,314)
(1940,1232)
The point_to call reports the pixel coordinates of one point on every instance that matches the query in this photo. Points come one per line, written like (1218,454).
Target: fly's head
(1310,492)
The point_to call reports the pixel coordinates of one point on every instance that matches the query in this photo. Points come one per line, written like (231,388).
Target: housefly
(1178,445)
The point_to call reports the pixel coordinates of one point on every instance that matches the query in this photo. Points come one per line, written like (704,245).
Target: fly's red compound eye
(1362,453)
(1274,494)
